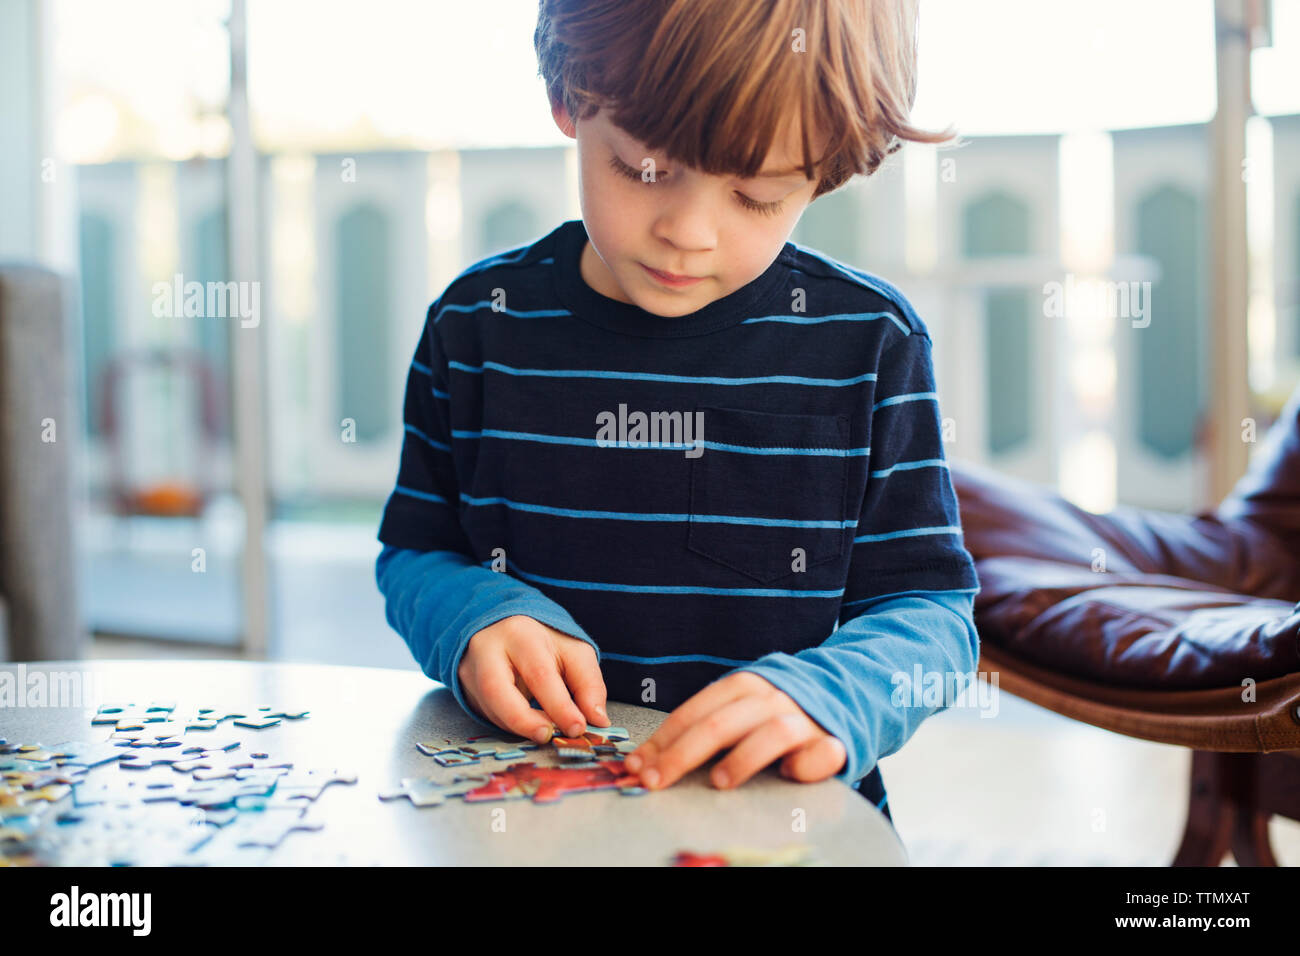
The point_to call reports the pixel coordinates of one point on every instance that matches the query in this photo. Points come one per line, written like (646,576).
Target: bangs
(714,84)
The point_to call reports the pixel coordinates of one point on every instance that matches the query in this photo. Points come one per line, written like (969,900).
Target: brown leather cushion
(1183,602)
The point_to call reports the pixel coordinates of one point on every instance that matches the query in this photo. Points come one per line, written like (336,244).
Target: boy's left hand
(758,722)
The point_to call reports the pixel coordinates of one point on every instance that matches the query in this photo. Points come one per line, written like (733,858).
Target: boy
(664,455)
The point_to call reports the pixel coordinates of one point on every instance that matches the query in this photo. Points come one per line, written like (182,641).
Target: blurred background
(228,473)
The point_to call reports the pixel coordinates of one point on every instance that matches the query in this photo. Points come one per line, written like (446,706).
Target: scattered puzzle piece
(81,754)
(310,784)
(542,784)
(795,855)
(593,741)
(432,793)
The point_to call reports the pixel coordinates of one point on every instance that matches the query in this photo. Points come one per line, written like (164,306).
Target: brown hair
(710,81)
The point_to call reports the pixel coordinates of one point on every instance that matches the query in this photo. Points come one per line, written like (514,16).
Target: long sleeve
(438,600)
(437,595)
(909,599)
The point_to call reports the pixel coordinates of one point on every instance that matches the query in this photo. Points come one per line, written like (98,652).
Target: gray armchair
(39,613)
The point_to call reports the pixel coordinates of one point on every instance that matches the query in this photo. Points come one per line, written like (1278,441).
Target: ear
(562,119)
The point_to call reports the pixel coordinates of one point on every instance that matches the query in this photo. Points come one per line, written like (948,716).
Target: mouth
(671,279)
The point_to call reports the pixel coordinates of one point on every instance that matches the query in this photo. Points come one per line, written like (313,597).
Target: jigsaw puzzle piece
(12,763)
(125,790)
(269,711)
(25,802)
(132,717)
(452,758)
(221,794)
(310,784)
(256,723)
(424,792)
(268,828)
(81,754)
(131,835)
(254,718)
(572,747)
(500,748)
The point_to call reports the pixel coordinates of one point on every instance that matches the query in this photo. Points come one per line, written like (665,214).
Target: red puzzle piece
(548,784)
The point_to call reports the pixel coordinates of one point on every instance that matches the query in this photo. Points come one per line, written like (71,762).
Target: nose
(687,224)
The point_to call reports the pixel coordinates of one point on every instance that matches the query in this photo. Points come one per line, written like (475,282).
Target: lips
(676,277)
(669,278)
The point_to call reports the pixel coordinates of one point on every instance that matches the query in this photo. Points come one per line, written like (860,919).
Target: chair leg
(1208,833)
(1250,844)
(1223,813)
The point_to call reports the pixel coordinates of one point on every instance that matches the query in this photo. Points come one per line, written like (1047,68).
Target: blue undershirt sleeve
(437,595)
(909,599)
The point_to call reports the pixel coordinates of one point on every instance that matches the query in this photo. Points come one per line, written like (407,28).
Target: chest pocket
(765,485)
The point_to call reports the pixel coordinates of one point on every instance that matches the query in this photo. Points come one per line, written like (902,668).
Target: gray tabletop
(367,721)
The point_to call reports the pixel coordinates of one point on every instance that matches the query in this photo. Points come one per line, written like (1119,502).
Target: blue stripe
(675,659)
(421,367)
(909,397)
(419,434)
(667,588)
(843,317)
(488,303)
(662,446)
(440,394)
(661,377)
(423,495)
(866,280)
(910,466)
(654,515)
(881,597)
(908,533)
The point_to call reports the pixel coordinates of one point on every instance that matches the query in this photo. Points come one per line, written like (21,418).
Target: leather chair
(1178,628)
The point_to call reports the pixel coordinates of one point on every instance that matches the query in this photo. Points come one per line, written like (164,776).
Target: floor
(1028,787)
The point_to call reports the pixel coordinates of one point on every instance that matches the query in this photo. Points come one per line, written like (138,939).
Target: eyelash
(762,208)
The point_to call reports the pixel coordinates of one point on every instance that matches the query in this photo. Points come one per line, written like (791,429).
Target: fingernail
(651,778)
(543,735)
(600,711)
(575,730)
(632,762)
(720,779)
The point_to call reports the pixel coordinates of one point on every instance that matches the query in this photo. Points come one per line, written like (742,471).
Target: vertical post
(247,346)
(1229,398)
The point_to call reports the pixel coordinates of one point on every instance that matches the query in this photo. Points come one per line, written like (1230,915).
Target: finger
(536,664)
(581,671)
(703,702)
(818,759)
(712,733)
(505,706)
(774,738)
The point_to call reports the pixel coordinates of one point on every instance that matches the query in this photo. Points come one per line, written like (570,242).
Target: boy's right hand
(518,658)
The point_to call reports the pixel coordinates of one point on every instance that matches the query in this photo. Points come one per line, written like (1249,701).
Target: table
(367,720)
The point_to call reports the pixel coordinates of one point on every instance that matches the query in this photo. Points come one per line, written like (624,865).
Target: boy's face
(684,222)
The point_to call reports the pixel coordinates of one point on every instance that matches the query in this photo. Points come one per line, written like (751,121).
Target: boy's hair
(711,82)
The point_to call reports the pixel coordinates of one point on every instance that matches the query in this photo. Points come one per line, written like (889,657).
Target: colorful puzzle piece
(170,793)
(432,793)
(795,855)
(81,754)
(542,784)
(595,740)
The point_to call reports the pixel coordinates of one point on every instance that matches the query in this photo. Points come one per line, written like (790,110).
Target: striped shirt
(758,485)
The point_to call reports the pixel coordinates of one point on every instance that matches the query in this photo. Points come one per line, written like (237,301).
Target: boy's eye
(763,208)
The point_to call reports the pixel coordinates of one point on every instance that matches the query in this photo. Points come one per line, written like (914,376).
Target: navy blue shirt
(758,485)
